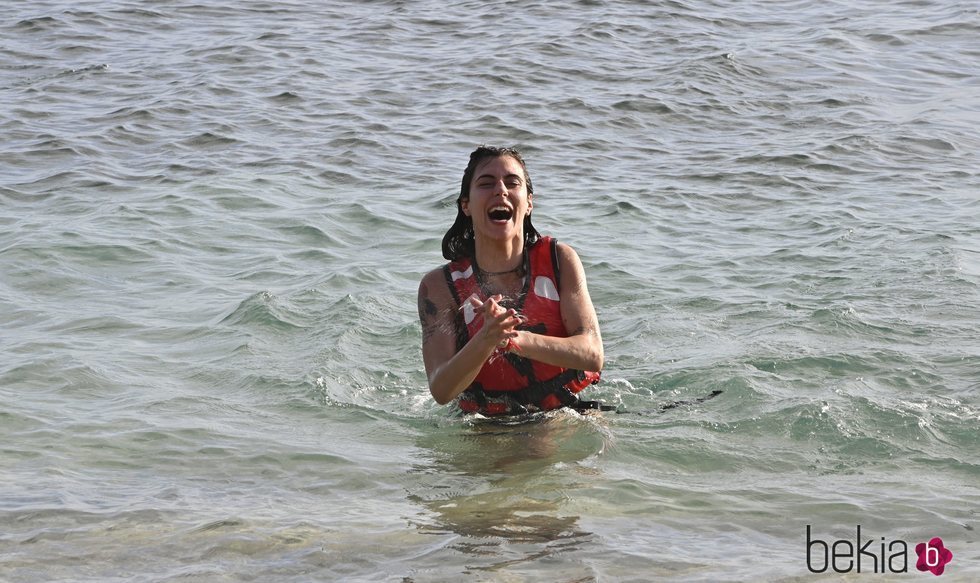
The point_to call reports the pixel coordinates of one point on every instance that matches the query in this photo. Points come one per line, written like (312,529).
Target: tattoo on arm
(584,330)
(428,327)
(427,313)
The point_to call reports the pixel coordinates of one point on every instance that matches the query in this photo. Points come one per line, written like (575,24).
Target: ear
(530,203)
(464,204)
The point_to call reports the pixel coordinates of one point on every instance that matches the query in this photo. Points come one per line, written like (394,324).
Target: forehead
(499,166)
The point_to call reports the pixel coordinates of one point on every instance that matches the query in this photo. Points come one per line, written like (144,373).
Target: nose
(500,188)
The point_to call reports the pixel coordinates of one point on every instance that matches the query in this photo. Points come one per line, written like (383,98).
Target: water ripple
(214,219)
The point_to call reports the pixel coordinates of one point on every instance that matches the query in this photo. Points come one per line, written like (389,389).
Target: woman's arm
(450,372)
(582,349)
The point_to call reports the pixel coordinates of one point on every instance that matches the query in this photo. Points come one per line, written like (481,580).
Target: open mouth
(500,214)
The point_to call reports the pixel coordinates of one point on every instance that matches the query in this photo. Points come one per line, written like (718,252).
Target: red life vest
(508,382)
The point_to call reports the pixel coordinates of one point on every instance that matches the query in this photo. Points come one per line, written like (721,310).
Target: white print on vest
(462,274)
(545,288)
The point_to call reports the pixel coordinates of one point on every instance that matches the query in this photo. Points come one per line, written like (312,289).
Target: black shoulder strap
(554,262)
(447,272)
(462,333)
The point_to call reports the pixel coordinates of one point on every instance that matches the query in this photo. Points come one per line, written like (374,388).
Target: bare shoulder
(433,277)
(434,290)
(565,252)
(568,260)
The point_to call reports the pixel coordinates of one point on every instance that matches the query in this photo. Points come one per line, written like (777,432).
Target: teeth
(500,208)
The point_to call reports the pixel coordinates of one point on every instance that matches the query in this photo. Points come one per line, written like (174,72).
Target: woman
(508,325)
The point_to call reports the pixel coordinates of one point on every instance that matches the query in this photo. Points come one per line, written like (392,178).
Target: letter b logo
(932,556)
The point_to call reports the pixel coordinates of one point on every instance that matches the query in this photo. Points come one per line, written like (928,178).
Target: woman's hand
(499,323)
(449,368)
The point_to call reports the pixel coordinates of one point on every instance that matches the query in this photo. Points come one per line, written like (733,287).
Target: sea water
(214,218)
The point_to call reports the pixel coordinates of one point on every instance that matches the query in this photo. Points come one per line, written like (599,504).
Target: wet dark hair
(459,240)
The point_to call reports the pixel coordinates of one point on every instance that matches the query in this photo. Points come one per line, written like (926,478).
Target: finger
(493,308)
(473,302)
(504,315)
(497,299)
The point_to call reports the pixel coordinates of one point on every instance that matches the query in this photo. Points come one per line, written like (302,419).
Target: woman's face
(498,200)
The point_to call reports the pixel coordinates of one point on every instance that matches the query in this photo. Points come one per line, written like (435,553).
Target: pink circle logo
(933,556)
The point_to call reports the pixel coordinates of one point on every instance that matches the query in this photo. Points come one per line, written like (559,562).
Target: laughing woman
(508,326)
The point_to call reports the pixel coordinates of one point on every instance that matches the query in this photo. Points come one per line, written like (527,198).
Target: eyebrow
(492,177)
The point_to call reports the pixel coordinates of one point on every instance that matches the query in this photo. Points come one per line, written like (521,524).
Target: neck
(500,256)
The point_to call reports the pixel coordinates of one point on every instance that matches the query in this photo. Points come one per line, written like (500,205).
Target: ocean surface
(214,218)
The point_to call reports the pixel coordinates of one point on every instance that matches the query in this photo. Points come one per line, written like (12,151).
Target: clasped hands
(499,323)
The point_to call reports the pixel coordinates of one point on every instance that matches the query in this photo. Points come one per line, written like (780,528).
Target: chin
(499,234)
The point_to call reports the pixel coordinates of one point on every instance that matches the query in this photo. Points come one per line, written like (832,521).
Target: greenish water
(213,221)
